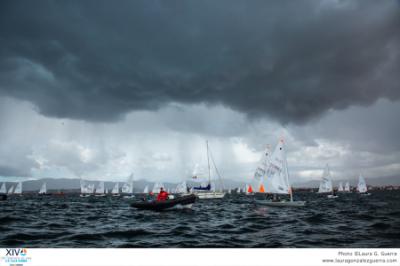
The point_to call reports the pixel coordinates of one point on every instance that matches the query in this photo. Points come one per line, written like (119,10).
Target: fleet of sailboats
(271,177)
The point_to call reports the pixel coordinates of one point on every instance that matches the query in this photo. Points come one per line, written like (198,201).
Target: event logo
(16,256)
(15,252)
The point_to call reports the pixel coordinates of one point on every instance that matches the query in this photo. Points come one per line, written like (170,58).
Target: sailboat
(276,177)
(249,190)
(146,189)
(43,189)
(127,188)
(347,187)
(181,188)
(18,189)
(340,188)
(86,190)
(100,191)
(209,191)
(362,186)
(325,186)
(115,190)
(3,189)
(10,190)
(3,192)
(261,188)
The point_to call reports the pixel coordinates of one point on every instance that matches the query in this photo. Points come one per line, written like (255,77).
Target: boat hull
(332,196)
(208,195)
(281,203)
(185,201)
(211,195)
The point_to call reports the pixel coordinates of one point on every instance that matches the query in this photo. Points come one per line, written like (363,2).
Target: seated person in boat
(276,198)
(163,195)
(148,197)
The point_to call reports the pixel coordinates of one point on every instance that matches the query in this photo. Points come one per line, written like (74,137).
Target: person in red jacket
(163,195)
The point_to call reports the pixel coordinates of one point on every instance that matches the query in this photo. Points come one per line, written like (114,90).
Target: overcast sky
(100,89)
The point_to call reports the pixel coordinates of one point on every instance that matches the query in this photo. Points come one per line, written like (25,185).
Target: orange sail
(250,189)
(261,189)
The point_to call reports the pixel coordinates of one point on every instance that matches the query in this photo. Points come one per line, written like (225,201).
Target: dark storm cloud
(291,60)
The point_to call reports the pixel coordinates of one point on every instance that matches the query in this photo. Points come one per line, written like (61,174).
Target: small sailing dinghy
(100,191)
(43,190)
(10,190)
(276,176)
(179,202)
(3,192)
(347,187)
(340,188)
(115,190)
(86,190)
(362,186)
(181,188)
(18,189)
(127,189)
(325,186)
(249,190)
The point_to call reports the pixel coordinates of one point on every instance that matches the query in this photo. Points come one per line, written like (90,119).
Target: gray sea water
(236,221)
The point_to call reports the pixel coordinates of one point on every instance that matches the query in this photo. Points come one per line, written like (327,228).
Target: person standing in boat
(163,195)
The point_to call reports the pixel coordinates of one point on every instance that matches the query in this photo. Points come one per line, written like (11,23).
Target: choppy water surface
(349,221)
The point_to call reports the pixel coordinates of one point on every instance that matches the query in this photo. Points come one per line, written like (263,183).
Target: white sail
(262,165)
(127,188)
(156,188)
(10,190)
(181,188)
(100,188)
(83,187)
(3,189)
(43,189)
(347,187)
(146,189)
(325,185)
(86,188)
(340,186)
(90,189)
(276,176)
(18,189)
(362,185)
(115,190)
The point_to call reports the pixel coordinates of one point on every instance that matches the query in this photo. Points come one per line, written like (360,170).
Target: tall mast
(208,161)
(287,171)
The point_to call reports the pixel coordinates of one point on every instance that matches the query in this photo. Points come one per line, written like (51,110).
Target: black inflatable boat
(3,197)
(164,205)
